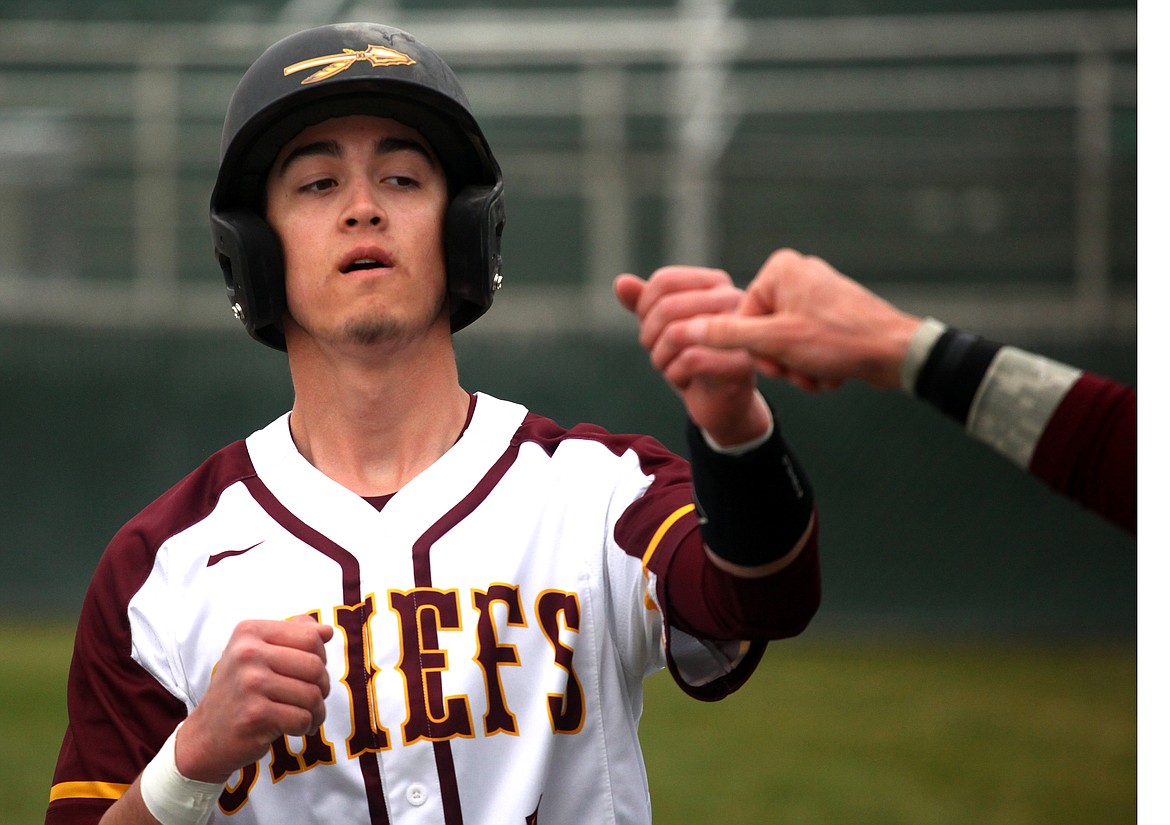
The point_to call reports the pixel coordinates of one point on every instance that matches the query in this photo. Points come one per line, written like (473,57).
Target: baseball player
(402,602)
(809,324)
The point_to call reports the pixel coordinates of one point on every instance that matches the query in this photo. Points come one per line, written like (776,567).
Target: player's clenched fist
(271,681)
(809,324)
(717,387)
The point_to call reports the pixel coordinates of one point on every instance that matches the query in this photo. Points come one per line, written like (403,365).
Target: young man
(809,324)
(402,602)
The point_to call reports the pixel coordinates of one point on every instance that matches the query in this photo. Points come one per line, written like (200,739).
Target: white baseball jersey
(494,623)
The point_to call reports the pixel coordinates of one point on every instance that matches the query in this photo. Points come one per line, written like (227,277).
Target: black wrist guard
(753,508)
(953,371)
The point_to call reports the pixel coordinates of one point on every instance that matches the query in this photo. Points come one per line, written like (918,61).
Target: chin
(371,331)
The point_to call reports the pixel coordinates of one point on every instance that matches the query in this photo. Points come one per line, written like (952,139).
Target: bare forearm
(130,809)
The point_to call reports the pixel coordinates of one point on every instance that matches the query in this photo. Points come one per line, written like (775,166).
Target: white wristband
(172,798)
(924,338)
(747,446)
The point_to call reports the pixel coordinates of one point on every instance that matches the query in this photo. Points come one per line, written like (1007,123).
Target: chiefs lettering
(424,615)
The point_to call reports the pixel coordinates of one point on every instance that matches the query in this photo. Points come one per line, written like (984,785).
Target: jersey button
(416,795)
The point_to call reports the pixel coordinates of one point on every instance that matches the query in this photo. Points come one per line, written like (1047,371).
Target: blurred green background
(974,159)
(971,159)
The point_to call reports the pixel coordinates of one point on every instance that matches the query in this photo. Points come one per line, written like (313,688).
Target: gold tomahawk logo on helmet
(337,63)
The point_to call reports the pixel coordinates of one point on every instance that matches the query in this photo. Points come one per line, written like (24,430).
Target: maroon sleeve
(1088,450)
(707,603)
(119,715)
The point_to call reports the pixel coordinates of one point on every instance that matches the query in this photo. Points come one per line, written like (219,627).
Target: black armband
(953,371)
(753,508)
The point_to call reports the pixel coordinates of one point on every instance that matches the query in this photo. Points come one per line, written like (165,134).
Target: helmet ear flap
(252,260)
(471,237)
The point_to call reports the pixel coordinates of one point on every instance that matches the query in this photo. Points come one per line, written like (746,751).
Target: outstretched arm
(805,322)
(1075,431)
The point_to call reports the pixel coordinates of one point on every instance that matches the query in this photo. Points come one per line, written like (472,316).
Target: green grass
(34,660)
(825,732)
(927,734)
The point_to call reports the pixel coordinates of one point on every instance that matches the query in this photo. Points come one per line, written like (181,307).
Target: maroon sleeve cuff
(1088,450)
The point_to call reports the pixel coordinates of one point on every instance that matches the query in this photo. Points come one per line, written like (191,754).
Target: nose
(363,207)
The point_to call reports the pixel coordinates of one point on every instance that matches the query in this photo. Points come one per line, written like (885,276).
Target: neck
(374,423)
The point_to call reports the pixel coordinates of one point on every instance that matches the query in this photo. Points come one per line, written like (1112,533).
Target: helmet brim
(453,135)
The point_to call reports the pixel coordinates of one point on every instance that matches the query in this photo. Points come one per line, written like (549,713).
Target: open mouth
(364,260)
(363,264)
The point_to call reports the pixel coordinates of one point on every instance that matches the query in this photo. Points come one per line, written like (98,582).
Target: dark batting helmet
(332,71)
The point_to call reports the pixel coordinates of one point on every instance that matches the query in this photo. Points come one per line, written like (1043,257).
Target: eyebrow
(330,148)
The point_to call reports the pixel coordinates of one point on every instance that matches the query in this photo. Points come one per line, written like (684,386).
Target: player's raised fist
(716,386)
(270,682)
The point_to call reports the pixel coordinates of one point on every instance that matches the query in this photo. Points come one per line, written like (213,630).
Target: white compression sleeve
(1018,395)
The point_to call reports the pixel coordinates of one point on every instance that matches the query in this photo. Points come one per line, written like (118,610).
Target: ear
(252,259)
(472,237)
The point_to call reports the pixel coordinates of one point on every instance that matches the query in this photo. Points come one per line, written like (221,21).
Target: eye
(403,181)
(318,185)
